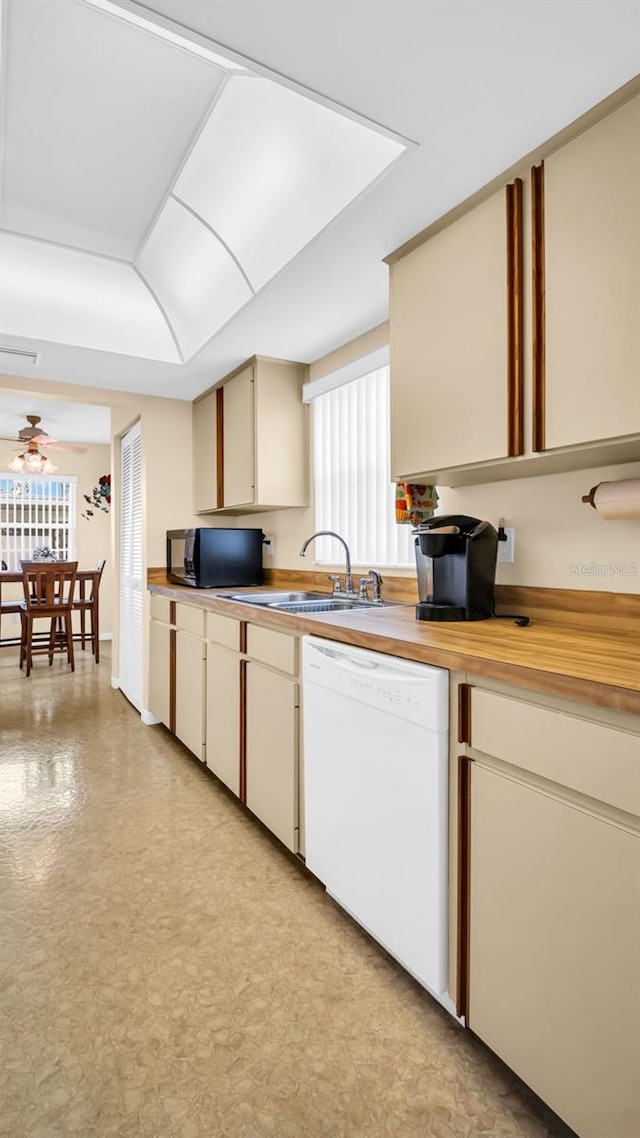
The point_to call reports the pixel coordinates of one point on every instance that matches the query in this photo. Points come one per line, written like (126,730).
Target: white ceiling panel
(193,276)
(272,168)
(477,83)
(99,114)
(76,298)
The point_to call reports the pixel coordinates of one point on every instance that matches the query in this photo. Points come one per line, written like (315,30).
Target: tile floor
(168,970)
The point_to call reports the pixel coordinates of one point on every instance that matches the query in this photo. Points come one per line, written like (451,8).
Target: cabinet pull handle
(220,447)
(538,288)
(464,713)
(464,874)
(515,321)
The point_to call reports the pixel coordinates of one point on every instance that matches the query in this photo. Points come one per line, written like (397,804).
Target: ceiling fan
(32,459)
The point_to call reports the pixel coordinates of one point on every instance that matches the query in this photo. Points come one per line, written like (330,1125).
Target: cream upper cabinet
(205,480)
(515,326)
(449,346)
(239,442)
(592,283)
(250,440)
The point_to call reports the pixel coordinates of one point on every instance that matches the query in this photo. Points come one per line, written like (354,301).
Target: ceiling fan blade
(43,438)
(64,446)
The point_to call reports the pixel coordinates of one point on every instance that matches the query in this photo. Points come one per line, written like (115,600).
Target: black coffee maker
(456,562)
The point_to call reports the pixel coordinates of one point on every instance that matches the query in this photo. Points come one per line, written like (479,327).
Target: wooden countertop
(596,665)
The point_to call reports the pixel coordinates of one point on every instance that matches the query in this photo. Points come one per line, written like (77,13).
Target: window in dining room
(36,513)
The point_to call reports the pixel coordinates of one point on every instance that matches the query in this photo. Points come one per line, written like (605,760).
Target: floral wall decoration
(100,497)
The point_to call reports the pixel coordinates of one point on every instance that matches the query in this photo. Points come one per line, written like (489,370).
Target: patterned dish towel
(415,504)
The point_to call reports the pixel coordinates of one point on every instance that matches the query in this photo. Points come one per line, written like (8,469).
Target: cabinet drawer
(191,619)
(591,758)
(159,608)
(223,630)
(274,648)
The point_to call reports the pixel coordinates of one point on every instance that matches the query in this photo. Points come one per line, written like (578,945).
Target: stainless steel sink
(328,605)
(274,597)
(302,602)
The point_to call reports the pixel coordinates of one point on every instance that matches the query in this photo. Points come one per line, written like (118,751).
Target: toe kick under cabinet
(548,936)
(252,719)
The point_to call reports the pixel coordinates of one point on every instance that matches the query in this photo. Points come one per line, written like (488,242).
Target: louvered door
(131,651)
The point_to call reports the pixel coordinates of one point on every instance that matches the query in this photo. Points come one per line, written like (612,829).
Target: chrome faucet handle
(376,580)
(336,582)
(362,591)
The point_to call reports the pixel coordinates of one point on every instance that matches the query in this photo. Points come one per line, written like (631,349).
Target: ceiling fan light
(33,462)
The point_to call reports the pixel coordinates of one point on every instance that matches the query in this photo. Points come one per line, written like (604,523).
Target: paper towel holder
(616,499)
(590,498)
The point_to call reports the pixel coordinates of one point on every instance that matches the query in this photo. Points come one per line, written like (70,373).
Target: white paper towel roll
(616,500)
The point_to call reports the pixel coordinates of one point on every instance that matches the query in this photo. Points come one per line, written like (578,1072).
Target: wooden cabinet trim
(220,447)
(515,321)
(464,713)
(464,896)
(243,730)
(538,304)
(172,673)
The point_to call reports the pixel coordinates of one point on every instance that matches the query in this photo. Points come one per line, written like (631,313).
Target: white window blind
(353,492)
(131,651)
(36,512)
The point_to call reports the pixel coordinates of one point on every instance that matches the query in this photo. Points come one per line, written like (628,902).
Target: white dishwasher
(375,769)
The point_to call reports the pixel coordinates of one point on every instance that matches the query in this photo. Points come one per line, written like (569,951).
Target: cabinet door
(205,482)
(223,715)
(239,440)
(592,283)
(449,346)
(159,664)
(190,688)
(554,947)
(272,752)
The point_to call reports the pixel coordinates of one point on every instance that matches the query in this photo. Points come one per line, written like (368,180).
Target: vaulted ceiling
(203,180)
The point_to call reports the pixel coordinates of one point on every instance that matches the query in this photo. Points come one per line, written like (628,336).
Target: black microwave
(209,557)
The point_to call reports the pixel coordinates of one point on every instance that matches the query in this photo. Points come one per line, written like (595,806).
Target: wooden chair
(48,595)
(90,605)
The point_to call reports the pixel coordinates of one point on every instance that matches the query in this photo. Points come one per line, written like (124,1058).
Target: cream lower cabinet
(271,754)
(252,720)
(177,662)
(224,690)
(161,628)
(190,686)
(553,891)
(191,654)
(272,751)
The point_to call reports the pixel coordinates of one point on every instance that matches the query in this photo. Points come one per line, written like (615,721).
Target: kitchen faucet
(348,580)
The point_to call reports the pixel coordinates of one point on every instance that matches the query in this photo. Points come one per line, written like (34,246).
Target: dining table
(14,577)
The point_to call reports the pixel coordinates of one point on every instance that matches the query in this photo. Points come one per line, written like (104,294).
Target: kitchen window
(354,495)
(36,512)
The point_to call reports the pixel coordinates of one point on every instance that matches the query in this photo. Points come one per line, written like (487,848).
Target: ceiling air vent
(22,354)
